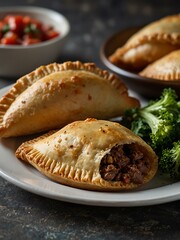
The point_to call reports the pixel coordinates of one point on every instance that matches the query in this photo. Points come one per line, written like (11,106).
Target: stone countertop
(28,216)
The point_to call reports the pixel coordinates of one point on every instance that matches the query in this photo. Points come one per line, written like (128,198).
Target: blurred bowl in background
(147,87)
(17,60)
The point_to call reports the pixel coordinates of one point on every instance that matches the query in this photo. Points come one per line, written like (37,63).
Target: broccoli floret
(141,128)
(137,125)
(170,161)
(167,99)
(158,122)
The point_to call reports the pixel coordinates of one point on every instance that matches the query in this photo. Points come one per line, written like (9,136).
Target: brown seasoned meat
(125,163)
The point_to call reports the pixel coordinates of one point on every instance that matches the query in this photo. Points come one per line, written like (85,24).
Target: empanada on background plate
(92,154)
(150,43)
(165,68)
(57,94)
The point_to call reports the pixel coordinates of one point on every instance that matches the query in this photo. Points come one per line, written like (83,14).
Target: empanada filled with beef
(92,154)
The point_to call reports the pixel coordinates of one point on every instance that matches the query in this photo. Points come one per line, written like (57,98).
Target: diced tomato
(29,41)
(51,34)
(6,19)
(10,38)
(17,29)
(16,24)
(26,20)
(27,36)
(46,28)
(37,24)
(1,25)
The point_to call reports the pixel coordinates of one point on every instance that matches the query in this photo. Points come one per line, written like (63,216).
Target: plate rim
(97,202)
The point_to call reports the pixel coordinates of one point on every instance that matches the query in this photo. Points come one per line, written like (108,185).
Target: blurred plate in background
(148,87)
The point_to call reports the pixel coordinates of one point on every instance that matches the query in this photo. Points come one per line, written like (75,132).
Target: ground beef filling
(125,163)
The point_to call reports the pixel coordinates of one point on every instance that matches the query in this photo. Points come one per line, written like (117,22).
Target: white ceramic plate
(159,190)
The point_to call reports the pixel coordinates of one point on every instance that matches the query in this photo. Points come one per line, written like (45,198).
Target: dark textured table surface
(24,215)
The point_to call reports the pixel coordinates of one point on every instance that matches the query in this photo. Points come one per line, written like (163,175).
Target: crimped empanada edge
(172,39)
(64,174)
(160,76)
(24,82)
(159,70)
(25,145)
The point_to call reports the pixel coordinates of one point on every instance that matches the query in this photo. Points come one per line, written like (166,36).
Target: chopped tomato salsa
(24,30)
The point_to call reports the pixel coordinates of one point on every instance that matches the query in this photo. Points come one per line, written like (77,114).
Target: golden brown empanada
(166,68)
(149,44)
(57,94)
(92,154)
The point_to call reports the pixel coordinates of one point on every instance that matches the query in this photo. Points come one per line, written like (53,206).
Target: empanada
(149,44)
(92,154)
(166,68)
(57,94)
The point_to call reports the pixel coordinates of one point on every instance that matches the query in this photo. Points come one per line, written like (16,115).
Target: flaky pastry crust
(72,155)
(57,94)
(166,68)
(149,44)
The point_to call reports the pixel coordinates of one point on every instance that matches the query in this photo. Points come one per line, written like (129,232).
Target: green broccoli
(170,160)
(158,123)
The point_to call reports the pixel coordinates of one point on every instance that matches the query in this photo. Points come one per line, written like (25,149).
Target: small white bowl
(17,60)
